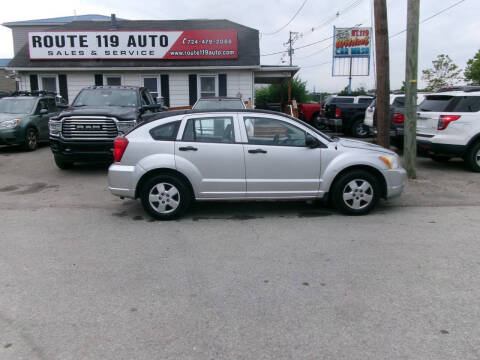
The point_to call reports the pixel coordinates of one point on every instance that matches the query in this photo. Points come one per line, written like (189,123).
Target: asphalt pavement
(85,275)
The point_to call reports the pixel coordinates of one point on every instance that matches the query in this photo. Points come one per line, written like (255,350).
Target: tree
(472,71)
(277,93)
(444,73)
(358,91)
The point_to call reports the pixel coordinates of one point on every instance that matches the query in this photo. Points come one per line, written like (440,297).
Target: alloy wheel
(360,130)
(32,139)
(164,198)
(358,194)
(477,157)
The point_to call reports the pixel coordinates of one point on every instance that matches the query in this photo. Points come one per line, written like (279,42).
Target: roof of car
(117,87)
(455,93)
(220,98)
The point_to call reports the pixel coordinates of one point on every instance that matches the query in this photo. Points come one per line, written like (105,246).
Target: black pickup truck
(84,131)
(345,114)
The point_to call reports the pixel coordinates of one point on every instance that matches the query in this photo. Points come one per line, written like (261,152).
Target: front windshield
(16,105)
(219,105)
(106,97)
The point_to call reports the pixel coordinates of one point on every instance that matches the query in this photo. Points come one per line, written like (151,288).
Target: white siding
(20,34)
(238,81)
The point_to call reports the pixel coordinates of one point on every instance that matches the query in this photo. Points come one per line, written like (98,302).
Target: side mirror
(43,111)
(62,106)
(152,107)
(311,142)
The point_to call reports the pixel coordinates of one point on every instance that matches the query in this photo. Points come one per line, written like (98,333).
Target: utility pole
(411,70)
(290,54)
(383,73)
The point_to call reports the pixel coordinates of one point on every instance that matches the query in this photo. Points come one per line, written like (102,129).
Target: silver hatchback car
(180,156)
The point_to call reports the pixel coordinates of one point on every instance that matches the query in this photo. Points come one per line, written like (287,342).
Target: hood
(6,116)
(363,145)
(118,112)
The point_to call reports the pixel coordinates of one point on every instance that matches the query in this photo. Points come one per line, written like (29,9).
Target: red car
(310,113)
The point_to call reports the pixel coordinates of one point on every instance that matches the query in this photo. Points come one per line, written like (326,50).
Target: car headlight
(124,126)
(392,161)
(8,124)
(55,127)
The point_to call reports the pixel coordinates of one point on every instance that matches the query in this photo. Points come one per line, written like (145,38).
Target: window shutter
(98,80)
(165,89)
(33,82)
(222,85)
(62,83)
(192,88)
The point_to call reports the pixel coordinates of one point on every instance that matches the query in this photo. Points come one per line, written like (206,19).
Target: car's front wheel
(165,197)
(358,130)
(31,139)
(356,192)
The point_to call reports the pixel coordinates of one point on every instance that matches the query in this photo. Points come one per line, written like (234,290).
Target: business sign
(351,42)
(116,44)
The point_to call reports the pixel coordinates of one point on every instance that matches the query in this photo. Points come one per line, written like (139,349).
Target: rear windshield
(107,97)
(16,105)
(450,103)
(399,101)
(216,104)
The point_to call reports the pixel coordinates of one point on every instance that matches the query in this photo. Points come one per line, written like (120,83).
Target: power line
(310,66)
(431,17)
(288,23)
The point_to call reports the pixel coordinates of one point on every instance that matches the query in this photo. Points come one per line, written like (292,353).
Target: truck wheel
(356,192)
(473,157)
(62,164)
(165,197)
(31,140)
(317,122)
(358,130)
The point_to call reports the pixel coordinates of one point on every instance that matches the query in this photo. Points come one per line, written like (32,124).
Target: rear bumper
(430,148)
(396,180)
(122,180)
(82,150)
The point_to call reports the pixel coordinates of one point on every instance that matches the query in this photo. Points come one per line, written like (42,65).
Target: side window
(42,104)
(146,100)
(466,104)
(264,131)
(165,132)
(52,106)
(364,101)
(211,130)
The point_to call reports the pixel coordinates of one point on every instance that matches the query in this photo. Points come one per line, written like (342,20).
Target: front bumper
(396,180)
(82,150)
(12,136)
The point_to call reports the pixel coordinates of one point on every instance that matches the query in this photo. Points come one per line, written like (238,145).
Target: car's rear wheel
(358,130)
(62,164)
(317,122)
(165,197)
(31,139)
(356,192)
(473,157)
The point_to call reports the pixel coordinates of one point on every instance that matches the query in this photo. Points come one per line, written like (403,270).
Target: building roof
(4,62)
(248,46)
(59,20)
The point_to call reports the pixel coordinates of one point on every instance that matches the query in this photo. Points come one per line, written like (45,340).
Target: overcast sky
(454,32)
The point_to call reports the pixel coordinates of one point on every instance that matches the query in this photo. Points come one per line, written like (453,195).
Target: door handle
(187,148)
(257,151)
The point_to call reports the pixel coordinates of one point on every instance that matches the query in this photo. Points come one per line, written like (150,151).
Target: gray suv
(247,155)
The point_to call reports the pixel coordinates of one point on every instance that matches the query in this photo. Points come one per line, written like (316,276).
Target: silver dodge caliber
(181,156)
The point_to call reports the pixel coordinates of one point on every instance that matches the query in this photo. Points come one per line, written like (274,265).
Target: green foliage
(444,73)
(358,91)
(472,71)
(276,93)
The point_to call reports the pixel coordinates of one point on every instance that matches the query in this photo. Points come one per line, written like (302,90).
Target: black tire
(317,123)
(440,158)
(358,130)
(62,164)
(184,197)
(31,139)
(365,198)
(473,157)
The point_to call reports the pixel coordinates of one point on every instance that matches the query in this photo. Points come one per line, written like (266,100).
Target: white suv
(448,125)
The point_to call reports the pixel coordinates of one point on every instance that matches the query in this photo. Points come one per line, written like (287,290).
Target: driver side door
(278,164)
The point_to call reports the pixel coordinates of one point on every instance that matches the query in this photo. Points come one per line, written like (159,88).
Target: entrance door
(278,163)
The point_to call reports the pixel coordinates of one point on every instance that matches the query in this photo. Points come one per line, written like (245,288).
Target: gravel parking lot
(86,275)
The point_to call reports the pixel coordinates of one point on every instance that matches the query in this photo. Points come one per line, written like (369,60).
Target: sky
(455,32)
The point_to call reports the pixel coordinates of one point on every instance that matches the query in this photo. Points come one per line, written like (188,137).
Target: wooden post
(383,73)
(411,70)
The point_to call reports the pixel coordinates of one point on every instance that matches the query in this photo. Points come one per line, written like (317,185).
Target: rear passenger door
(208,151)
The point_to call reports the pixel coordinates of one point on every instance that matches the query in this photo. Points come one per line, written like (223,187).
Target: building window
(113,80)
(48,83)
(151,83)
(208,86)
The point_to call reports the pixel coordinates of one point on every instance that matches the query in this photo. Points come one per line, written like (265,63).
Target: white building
(180,60)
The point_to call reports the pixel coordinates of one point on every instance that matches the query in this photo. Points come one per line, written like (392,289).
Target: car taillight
(119,146)
(338,112)
(398,118)
(444,120)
